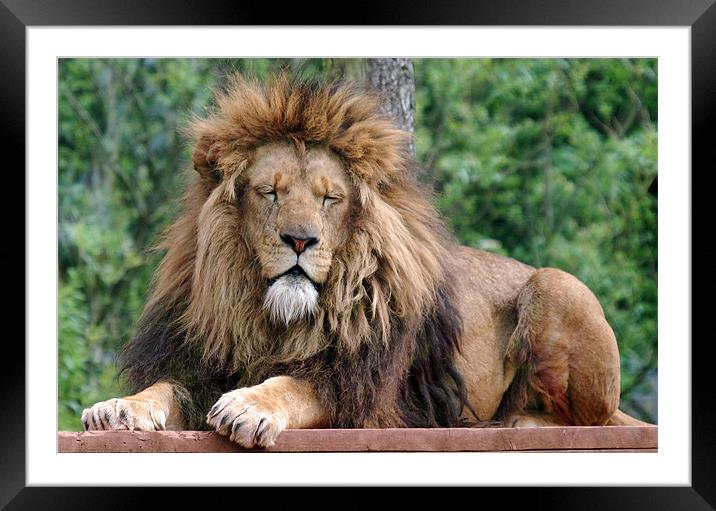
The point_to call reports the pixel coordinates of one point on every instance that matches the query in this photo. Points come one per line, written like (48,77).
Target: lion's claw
(246,419)
(123,414)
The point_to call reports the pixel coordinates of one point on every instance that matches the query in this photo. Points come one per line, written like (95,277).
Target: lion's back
(496,279)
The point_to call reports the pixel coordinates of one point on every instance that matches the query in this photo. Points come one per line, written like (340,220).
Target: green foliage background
(544,160)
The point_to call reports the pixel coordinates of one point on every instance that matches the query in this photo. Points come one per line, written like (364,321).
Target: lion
(309,282)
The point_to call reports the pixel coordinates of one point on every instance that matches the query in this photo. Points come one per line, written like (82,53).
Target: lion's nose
(299,245)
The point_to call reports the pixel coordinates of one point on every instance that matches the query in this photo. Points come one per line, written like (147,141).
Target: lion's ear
(206,158)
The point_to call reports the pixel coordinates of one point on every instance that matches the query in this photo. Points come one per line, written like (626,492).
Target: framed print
(43,41)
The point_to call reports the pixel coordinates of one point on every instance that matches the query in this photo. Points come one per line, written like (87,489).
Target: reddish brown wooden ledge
(550,439)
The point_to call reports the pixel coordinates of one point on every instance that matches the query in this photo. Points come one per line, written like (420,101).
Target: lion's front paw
(124,414)
(247,418)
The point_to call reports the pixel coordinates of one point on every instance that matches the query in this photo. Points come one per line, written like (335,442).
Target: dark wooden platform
(546,439)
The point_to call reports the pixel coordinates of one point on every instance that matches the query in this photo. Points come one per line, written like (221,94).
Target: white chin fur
(291,297)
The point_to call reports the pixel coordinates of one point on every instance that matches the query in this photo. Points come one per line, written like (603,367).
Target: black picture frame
(17,15)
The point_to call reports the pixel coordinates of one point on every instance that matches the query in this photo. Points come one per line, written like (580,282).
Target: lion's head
(305,227)
(296,207)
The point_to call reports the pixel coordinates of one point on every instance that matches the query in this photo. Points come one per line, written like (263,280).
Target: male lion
(310,283)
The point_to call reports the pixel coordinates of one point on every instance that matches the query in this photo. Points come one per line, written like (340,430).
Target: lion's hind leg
(566,350)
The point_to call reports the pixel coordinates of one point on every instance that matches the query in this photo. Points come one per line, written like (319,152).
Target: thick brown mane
(386,306)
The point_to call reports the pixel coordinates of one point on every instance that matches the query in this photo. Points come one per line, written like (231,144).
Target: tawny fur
(409,329)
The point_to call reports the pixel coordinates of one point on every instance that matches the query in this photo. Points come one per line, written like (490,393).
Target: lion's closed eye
(332,198)
(267,191)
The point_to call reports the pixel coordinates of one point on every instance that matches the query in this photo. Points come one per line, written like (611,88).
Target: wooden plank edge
(546,439)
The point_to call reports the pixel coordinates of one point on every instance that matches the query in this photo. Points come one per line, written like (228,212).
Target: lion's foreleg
(254,416)
(153,409)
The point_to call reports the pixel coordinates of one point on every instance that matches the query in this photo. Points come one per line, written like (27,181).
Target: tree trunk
(394,79)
